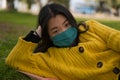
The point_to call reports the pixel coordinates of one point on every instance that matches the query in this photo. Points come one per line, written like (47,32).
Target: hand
(36,77)
(39,30)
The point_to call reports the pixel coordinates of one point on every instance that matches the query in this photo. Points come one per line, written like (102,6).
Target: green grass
(111,23)
(13,25)
(15,18)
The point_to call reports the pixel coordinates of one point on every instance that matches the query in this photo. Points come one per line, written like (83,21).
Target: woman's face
(57,24)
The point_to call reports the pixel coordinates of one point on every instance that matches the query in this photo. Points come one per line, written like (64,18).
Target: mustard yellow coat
(97,56)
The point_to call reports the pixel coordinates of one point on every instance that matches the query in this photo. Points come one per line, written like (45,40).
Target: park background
(18,17)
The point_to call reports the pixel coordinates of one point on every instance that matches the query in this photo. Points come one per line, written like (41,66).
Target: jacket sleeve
(20,53)
(22,58)
(109,35)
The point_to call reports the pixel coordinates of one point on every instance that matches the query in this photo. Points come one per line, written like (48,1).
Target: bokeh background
(18,17)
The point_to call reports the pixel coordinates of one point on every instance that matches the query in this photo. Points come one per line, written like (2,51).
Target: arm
(22,57)
(22,47)
(109,35)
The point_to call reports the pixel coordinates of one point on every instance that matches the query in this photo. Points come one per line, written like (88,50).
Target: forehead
(56,20)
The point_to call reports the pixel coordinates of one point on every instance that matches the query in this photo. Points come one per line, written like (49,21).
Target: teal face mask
(65,38)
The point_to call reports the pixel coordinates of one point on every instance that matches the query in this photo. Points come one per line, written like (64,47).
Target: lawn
(13,25)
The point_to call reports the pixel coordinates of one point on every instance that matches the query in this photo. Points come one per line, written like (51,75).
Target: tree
(115,4)
(103,6)
(64,2)
(30,2)
(39,3)
(10,4)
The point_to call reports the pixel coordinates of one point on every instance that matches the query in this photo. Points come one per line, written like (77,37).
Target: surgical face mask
(65,38)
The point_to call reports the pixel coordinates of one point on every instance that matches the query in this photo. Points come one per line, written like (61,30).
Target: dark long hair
(45,14)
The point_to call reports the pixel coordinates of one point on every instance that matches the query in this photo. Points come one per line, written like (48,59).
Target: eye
(67,25)
(55,31)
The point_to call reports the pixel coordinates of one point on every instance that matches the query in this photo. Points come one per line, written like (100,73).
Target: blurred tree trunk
(39,3)
(10,4)
(64,2)
(116,6)
(113,3)
(30,2)
(101,6)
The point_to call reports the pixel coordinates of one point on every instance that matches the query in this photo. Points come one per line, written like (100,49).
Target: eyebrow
(56,26)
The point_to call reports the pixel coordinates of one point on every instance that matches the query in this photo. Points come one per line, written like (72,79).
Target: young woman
(61,49)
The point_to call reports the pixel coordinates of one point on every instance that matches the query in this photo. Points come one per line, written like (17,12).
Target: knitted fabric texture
(94,58)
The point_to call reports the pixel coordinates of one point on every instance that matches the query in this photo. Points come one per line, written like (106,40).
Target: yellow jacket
(97,56)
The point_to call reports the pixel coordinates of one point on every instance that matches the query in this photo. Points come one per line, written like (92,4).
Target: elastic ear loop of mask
(85,26)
